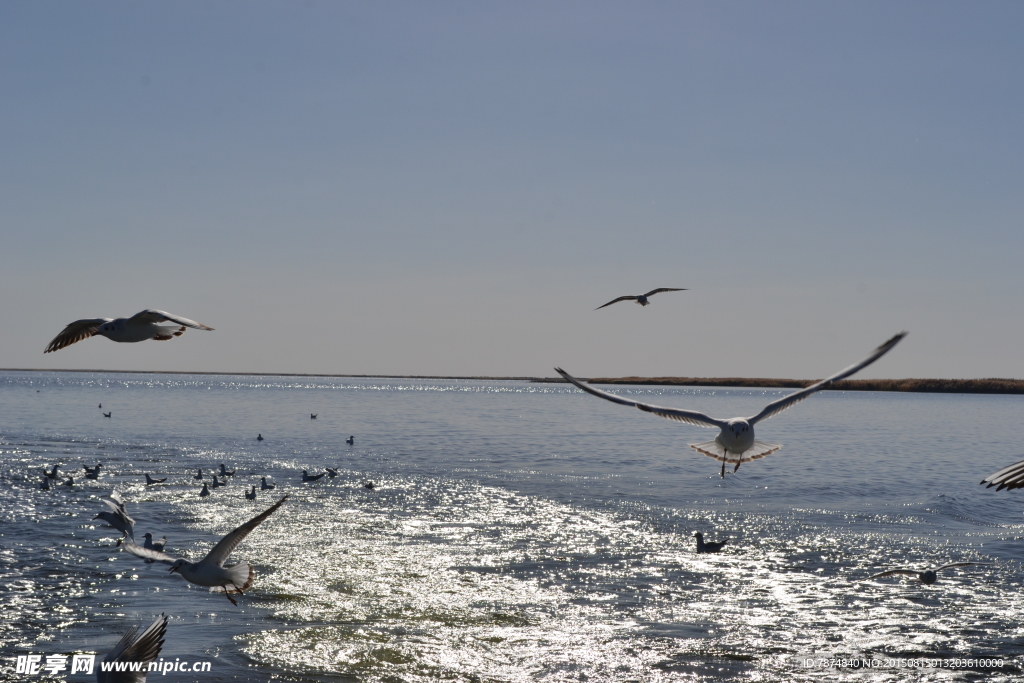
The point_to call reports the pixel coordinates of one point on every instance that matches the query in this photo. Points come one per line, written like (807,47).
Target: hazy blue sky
(453,187)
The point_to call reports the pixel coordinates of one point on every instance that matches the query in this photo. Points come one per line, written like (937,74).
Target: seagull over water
(118,516)
(641,299)
(708,546)
(210,571)
(735,442)
(927,577)
(1009,478)
(142,649)
(140,327)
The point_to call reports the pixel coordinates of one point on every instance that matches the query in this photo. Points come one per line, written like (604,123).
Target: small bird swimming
(133,651)
(199,473)
(224,472)
(311,477)
(640,298)
(101,406)
(210,571)
(45,485)
(264,486)
(206,490)
(108,414)
(331,473)
(140,327)
(93,473)
(216,482)
(735,441)
(259,437)
(150,480)
(154,545)
(251,496)
(368,485)
(708,547)
(51,474)
(927,577)
(312,416)
(350,440)
(70,481)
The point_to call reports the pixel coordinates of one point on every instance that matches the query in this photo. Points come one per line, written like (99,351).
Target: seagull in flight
(735,442)
(927,577)
(641,299)
(118,516)
(140,327)
(132,650)
(210,571)
(1009,478)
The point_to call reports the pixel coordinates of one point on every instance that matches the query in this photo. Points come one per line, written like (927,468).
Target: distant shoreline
(993,385)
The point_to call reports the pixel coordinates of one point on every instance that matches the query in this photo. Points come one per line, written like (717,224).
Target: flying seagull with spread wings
(210,571)
(927,577)
(735,442)
(1009,478)
(641,298)
(140,327)
(131,651)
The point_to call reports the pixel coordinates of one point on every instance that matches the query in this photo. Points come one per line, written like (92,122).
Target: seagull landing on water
(927,577)
(210,571)
(641,299)
(132,651)
(140,327)
(735,442)
(1009,478)
(708,547)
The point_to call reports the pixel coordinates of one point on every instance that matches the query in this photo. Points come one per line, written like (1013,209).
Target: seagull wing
(149,554)
(221,551)
(1009,478)
(76,332)
(145,649)
(891,572)
(614,301)
(152,316)
(664,289)
(957,564)
(688,416)
(776,407)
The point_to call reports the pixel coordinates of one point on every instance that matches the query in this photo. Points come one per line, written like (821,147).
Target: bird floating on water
(251,496)
(927,577)
(216,482)
(350,440)
(311,477)
(264,486)
(1009,478)
(199,473)
(708,547)
(150,480)
(51,474)
(70,481)
(331,473)
(224,472)
(140,327)
(45,485)
(210,571)
(108,414)
(259,437)
(153,545)
(206,490)
(93,473)
(641,299)
(312,416)
(369,485)
(133,651)
(735,442)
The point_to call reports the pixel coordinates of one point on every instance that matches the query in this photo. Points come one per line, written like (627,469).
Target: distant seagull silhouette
(70,481)
(224,472)
(199,473)
(264,486)
(735,442)
(154,545)
(52,474)
(259,437)
(101,406)
(928,576)
(206,490)
(350,440)
(312,416)
(1009,478)
(140,327)
(108,414)
(131,651)
(93,473)
(45,485)
(311,477)
(369,485)
(703,547)
(118,516)
(331,473)
(150,480)
(210,571)
(251,496)
(641,298)
(216,482)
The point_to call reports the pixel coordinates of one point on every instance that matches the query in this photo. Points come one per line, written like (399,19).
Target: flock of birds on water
(735,444)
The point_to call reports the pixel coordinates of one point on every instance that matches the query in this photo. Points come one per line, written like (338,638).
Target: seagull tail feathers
(713,449)
(242,576)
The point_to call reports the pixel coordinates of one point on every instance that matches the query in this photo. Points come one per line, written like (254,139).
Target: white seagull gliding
(210,571)
(140,327)
(735,442)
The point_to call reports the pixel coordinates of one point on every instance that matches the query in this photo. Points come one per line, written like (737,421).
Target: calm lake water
(517,531)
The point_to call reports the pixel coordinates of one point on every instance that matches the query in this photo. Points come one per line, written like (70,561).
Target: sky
(452,188)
